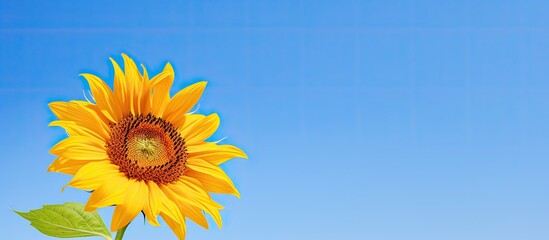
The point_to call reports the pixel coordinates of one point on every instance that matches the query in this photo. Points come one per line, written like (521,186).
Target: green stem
(120,233)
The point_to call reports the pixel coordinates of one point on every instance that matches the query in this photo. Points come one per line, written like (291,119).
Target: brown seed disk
(147,148)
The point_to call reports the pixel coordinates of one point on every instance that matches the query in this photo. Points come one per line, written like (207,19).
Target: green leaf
(67,220)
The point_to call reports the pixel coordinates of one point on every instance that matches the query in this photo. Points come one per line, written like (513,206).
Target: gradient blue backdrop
(406,120)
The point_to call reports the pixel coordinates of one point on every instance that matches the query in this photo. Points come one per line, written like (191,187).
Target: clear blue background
(407,120)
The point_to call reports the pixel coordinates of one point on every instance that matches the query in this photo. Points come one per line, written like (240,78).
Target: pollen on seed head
(147,148)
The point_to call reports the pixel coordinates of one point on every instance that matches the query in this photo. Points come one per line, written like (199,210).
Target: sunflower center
(147,148)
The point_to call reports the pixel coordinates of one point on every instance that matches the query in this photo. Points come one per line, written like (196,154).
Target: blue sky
(412,120)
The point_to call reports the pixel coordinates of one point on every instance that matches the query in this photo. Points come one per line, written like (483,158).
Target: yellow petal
(201,129)
(166,72)
(121,89)
(154,203)
(177,225)
(136,196)
(194,184)
(183,193)
(169,207)
(133,78)
(161,85)
(184,100)
(103,96)
(172,215)
(184,123)
(213,153)
(111,191)
(65,165)
(92,175)
(212,177)
(81,115)
(80,148)
(145,93)
(169,68)
(94,108)
(193,213)
(73,129)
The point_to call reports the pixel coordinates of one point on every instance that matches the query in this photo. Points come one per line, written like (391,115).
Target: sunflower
(139,149)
